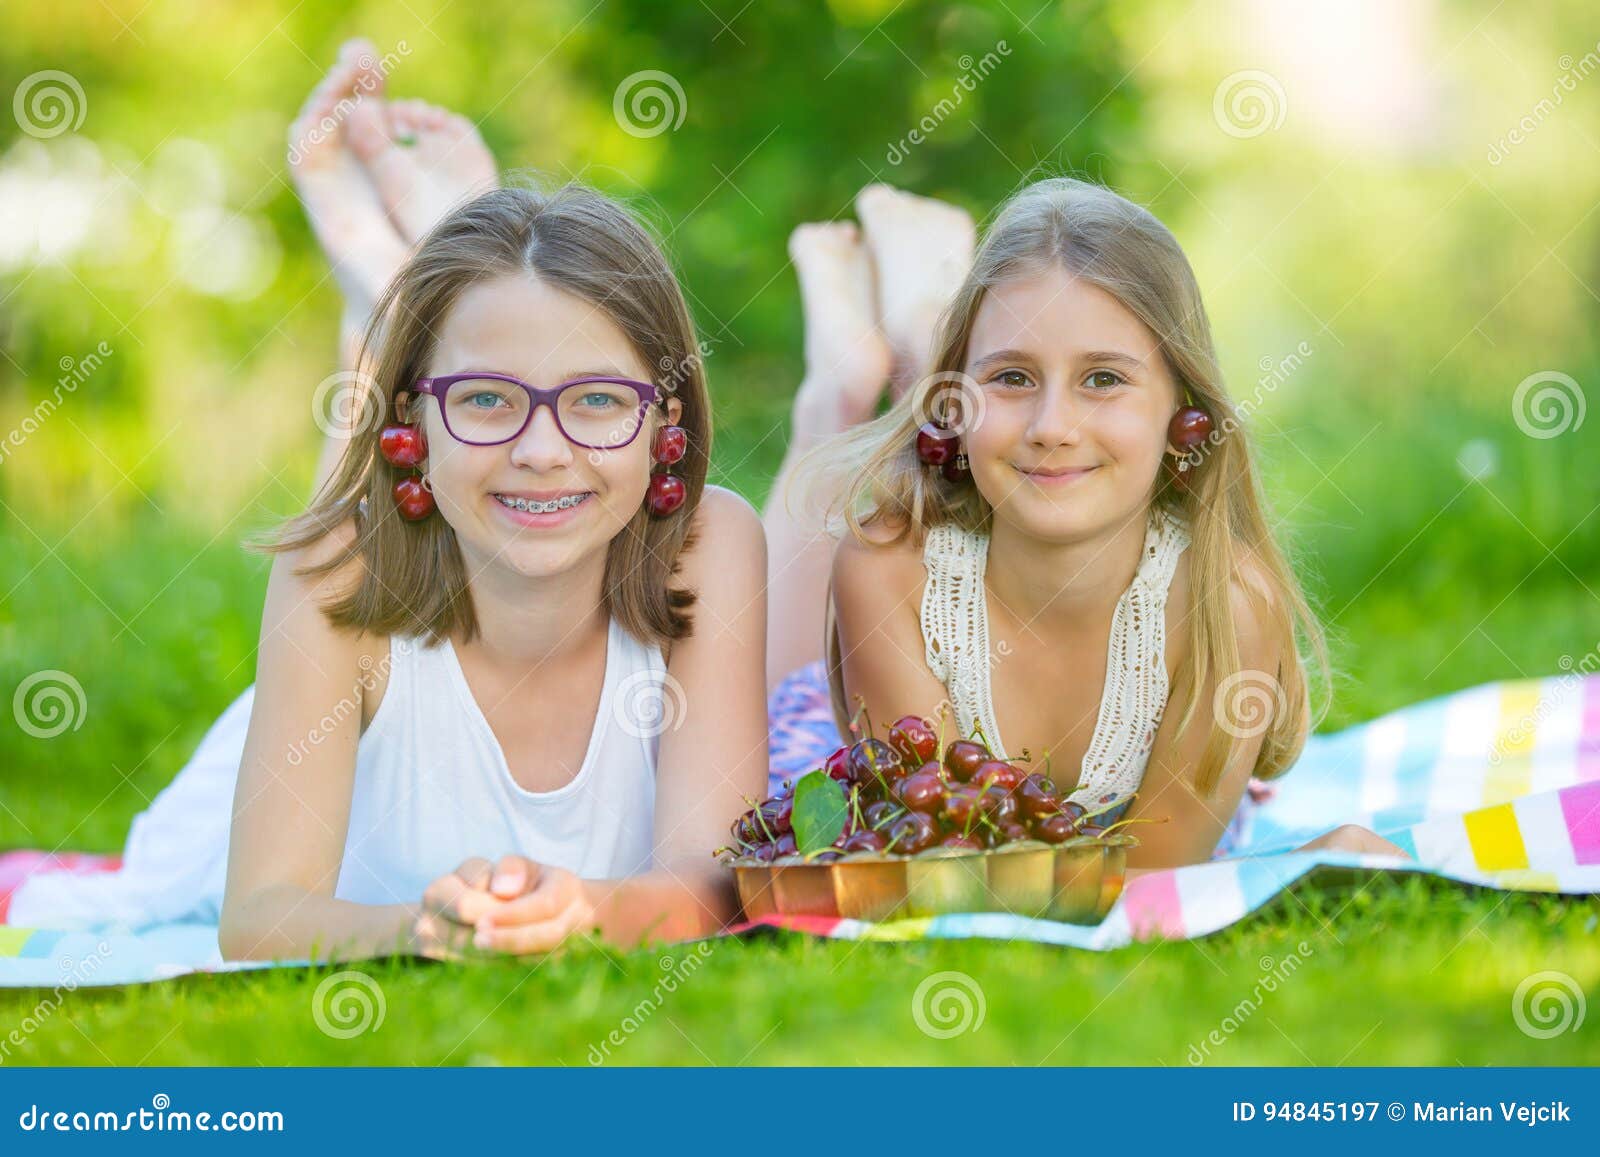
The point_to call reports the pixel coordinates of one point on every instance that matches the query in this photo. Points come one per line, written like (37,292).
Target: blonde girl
(1062,586)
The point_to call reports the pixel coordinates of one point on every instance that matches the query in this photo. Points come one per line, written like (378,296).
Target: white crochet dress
(955,630)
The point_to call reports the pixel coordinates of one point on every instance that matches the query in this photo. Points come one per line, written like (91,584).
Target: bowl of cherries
(891,828)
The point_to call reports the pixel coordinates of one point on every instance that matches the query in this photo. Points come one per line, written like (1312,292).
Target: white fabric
(431,789)
(955,632)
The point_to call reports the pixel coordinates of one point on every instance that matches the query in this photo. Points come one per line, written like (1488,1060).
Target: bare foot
(339,200)
(423,160)
(847,359)
(922,249)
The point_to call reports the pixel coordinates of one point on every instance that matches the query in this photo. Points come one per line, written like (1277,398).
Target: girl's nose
(541,446)
(1056,419)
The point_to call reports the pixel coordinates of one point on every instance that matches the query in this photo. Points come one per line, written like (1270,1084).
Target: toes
(367,130)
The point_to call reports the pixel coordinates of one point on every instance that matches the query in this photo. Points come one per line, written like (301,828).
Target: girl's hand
(1355,838)
(450,909)
(536,907)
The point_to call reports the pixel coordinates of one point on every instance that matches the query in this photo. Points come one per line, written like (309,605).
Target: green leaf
(820,812)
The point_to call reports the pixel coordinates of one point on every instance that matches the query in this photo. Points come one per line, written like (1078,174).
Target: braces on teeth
(533,506)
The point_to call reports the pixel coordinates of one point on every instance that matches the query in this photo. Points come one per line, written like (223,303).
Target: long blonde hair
(412,578)
(1110,242)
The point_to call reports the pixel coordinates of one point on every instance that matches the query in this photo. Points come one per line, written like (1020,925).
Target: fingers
(549,896)
(543,936)
(513,876)
(461,896)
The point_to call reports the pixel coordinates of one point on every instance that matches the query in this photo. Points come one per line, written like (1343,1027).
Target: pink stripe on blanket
(1580,807)
(1152,906)
(16,867)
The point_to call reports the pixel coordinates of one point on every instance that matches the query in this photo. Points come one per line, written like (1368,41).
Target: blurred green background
(1383,268)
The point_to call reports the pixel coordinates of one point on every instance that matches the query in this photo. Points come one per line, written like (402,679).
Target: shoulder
(726,539)
(882,562)
(305,581)
(1257,614)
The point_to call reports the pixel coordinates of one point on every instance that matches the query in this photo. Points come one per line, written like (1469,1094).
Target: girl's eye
(1012,379)
(598,401)
(1103,380)
(483,400)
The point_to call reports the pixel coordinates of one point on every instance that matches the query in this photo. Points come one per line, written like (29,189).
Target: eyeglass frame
(438,387)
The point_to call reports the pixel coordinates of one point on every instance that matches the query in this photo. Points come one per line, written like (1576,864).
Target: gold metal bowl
(1075,882)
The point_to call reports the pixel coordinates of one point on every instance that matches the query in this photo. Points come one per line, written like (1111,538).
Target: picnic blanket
(1496,786)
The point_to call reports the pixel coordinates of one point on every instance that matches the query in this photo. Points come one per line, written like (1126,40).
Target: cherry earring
(404,446)
(1187,430)
(941,447)
(667,491)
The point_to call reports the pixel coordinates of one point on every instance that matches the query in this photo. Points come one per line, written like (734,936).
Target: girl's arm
(291,808)
(877,599)
(1193,824)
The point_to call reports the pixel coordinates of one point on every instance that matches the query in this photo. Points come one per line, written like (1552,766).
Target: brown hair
(1121,247)
(412,579)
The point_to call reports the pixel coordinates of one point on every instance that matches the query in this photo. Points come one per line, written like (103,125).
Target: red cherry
(669,445)
(970,843)
(837,765)
(936,445)
(912,833)
(995,773)
(1189,427)
(667,493)
(872,763)
(414,499)
(999,805)
(963,757)
(1073,809)
(785,844)
(913,740)
(1012,832)
(779,815)
(957,469)
(766,853)
(866,840)
(920,792)
(881,813)
(960,805)
(1037,796)
(403,446)
(1056,829)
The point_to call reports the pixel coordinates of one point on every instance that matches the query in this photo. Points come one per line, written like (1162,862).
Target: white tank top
(955,631)
(432,787)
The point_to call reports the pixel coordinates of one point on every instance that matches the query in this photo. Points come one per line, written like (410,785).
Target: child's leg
(340,202)
(423,160)
(847,366)
(374,177)
(922,250)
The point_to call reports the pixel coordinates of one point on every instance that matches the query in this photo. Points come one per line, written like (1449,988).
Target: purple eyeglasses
(490,409)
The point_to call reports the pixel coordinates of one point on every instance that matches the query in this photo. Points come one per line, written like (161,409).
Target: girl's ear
(674,407)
